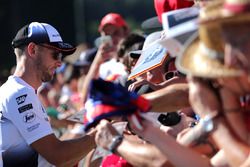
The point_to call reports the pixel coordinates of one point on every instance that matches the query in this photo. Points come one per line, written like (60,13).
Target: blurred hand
(105,133)
(105,51)
(202,97)
(180,135)
(136,84)
(148,131)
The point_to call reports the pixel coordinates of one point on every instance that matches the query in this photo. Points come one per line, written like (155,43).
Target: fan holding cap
(27,138)
(108,100)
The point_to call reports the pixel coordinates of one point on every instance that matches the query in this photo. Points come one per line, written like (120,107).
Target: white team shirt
(23,120)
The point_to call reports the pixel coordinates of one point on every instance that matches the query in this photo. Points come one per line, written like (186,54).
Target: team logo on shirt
(43,109)
(21,99)
(33,127)
(25,108)
(29,117)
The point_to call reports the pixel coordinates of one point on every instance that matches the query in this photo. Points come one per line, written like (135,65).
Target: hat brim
(151,23)
(150,58)
(65,48)
(193,61)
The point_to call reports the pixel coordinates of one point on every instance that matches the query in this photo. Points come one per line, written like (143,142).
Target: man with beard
(26,136)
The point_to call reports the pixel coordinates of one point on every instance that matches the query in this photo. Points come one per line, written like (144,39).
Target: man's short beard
(43,71)
(46,77)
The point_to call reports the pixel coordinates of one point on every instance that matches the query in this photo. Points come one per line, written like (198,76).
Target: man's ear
(31,49)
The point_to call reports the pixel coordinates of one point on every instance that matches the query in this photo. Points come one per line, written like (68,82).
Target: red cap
(114,19)
(162,6)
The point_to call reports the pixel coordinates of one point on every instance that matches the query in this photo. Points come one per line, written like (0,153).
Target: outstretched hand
(105,133)
(136,84)
(148,128)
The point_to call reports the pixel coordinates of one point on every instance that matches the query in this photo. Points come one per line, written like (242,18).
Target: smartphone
(103,39)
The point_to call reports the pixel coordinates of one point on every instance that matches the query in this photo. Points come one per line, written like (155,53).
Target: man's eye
(57,56)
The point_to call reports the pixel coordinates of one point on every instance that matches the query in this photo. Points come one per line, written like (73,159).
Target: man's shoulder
(12,89)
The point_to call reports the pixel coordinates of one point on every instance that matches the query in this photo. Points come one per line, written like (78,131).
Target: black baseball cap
(42,33)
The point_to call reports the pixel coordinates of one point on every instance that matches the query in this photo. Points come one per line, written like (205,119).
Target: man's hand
(105,133)
(149,129)
(137,83)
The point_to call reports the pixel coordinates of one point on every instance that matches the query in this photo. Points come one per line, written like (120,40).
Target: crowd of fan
(198,88)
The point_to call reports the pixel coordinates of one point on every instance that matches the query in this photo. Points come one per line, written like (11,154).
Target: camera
(103,39)
(169,119)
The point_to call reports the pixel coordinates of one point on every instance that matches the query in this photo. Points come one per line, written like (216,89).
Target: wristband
(200,131)
(116,141)
(207,123)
